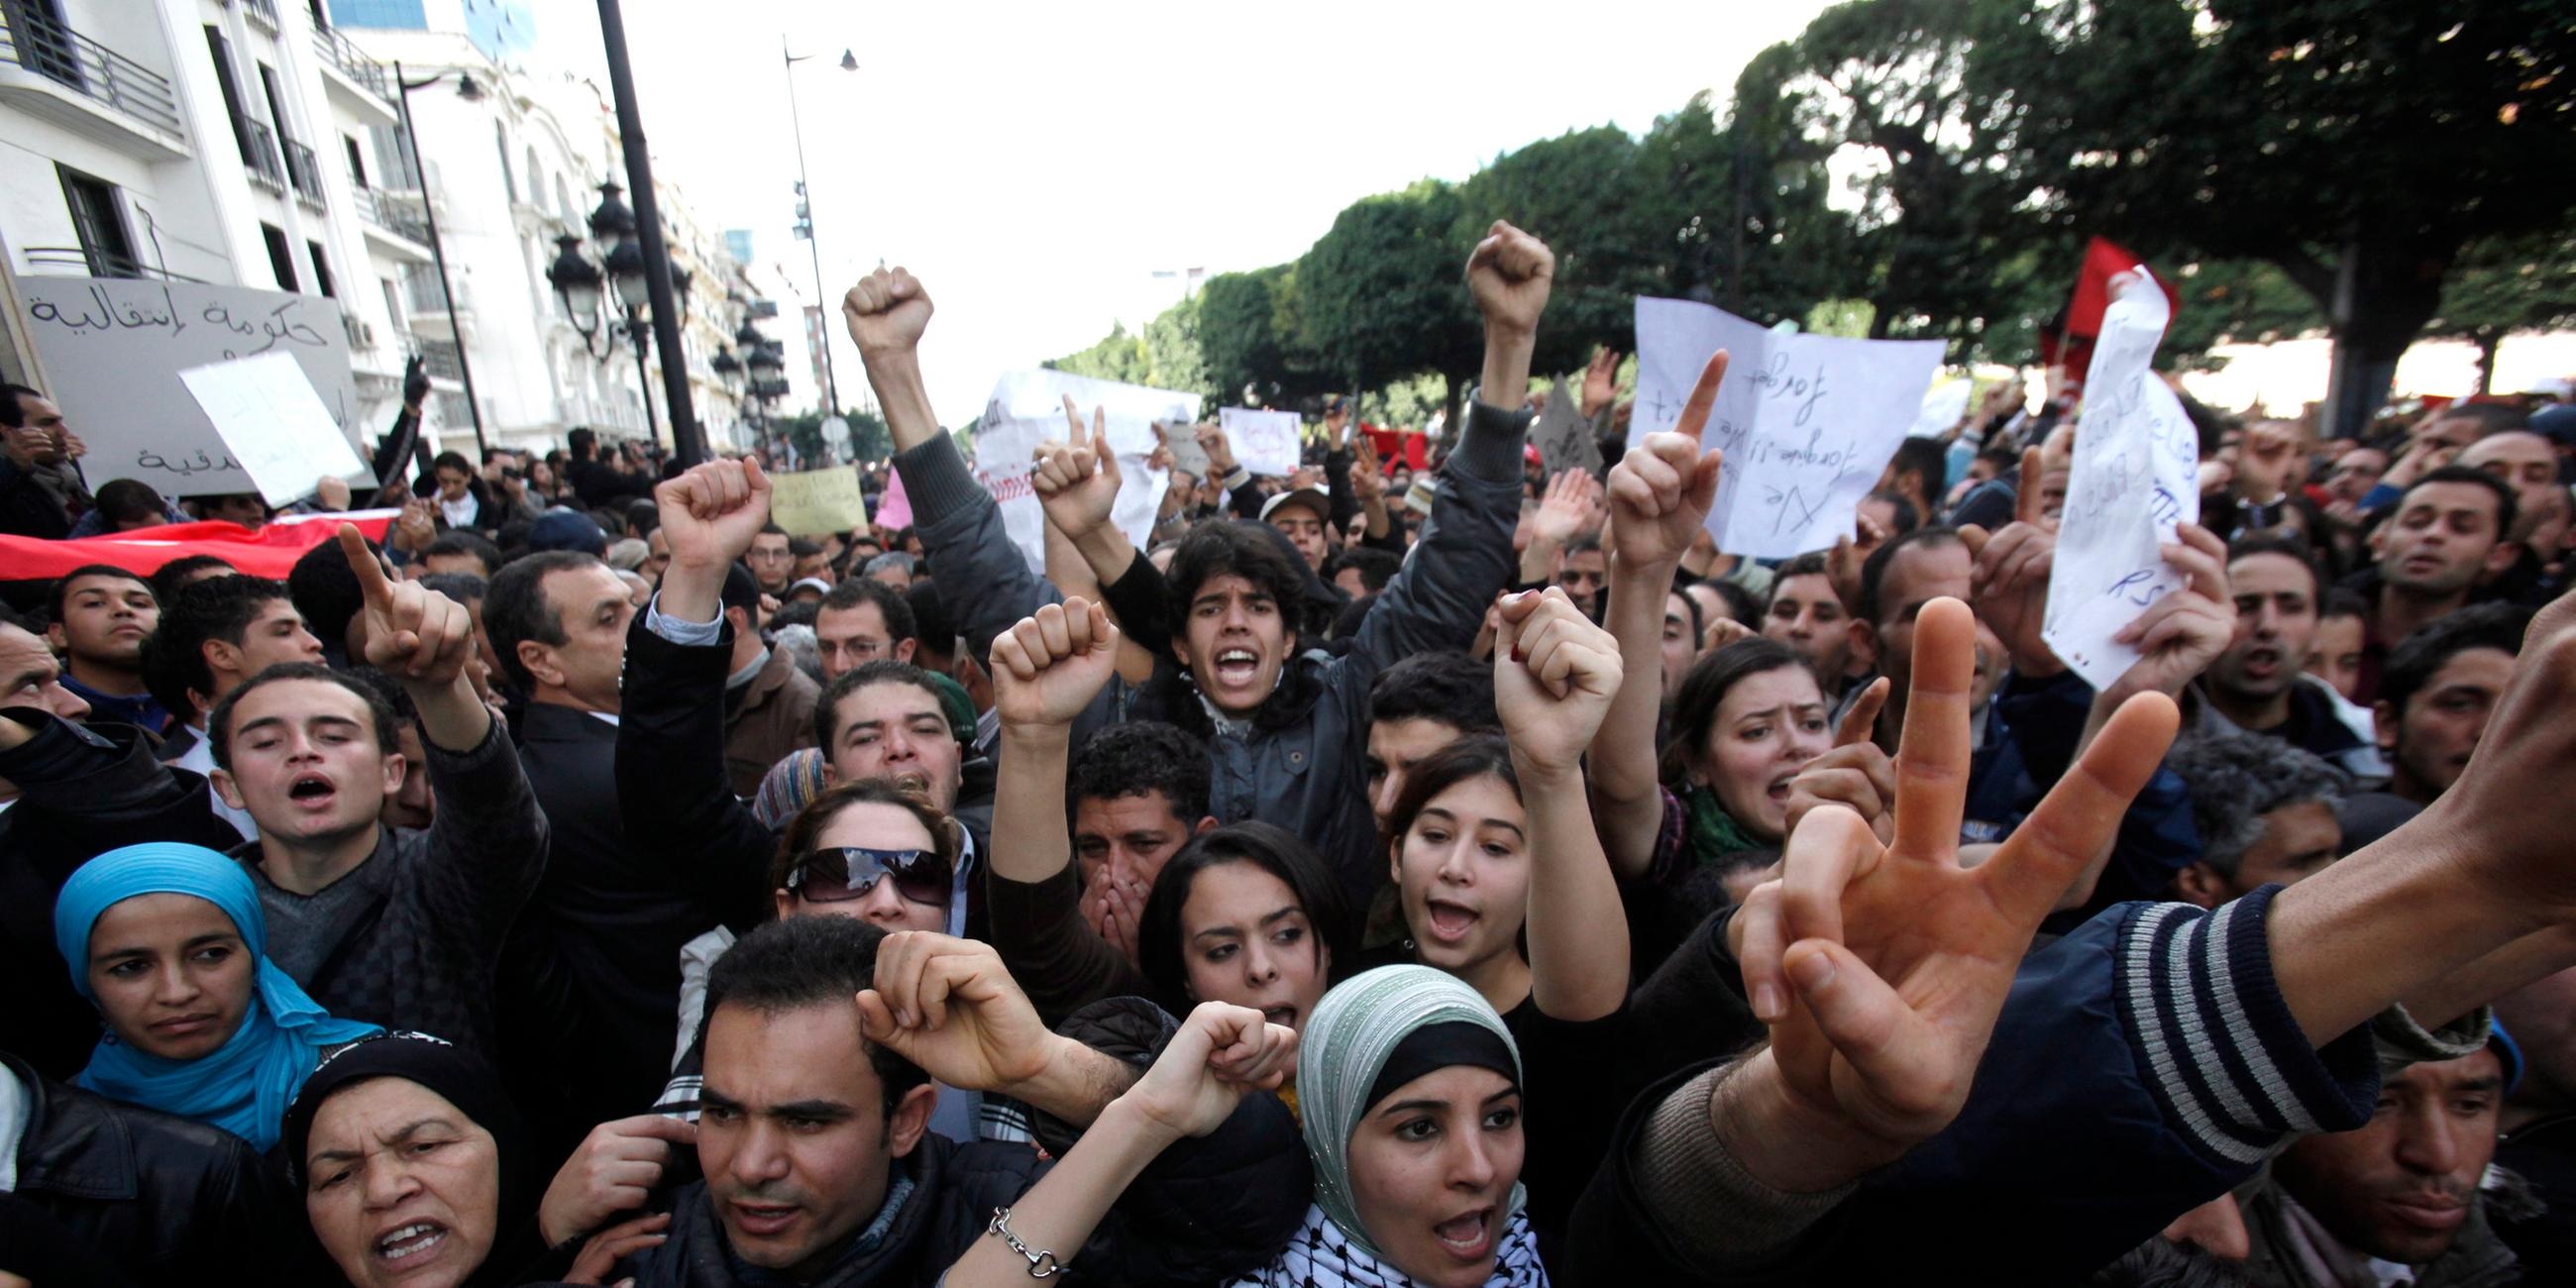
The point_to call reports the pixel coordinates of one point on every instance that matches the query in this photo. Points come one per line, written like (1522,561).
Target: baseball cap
(1306,496)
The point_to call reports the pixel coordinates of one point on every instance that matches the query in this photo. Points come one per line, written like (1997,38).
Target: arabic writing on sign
(147,459)
(1807,422)
(271,330)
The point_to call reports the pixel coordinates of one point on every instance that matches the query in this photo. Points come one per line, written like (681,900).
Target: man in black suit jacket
(592,974)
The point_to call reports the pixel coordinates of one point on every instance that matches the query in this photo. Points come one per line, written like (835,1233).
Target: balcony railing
(259,152)
(98,263)
(421,292)
(86,67)
(339,51)
(391,213)
(442,359)
(305,171)
(265,11)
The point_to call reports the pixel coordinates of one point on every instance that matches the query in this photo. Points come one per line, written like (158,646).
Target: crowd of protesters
(1448,875)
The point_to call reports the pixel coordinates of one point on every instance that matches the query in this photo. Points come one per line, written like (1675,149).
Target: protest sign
(273,425)
(114,347)
(1264,442)
(1807,422)
(1182,440)
(1564,437)
(2135,478)
(1942,409)
(811,503)
(1026,409)
(894,509)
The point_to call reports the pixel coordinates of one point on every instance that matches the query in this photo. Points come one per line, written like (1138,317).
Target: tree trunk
(2488,340)
(2385,291)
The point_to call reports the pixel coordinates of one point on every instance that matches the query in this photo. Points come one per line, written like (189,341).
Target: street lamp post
(469,91)
(624,270)
(688,444)
(805,217)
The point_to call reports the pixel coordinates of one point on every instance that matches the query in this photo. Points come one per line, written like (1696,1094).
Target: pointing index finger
(1859,722)
(2026,505)
(371,575)
(1703,396)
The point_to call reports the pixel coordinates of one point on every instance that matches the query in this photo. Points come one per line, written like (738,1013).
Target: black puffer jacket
(163,1197)
(1206,1210)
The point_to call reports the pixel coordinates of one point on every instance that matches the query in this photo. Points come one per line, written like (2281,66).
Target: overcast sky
(1036,164)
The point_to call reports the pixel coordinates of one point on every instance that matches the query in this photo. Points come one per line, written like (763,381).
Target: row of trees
(2380,170)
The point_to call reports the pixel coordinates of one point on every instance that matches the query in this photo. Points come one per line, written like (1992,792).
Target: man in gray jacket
(1289,727)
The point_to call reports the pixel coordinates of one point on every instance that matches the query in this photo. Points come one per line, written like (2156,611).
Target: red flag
(2073,347)
(270,552)
(1394,445)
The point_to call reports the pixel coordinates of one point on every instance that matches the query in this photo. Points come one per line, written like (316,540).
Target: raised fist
(886,312)
(1510,273)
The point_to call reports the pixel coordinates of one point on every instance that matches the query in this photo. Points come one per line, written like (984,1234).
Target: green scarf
(1714,833)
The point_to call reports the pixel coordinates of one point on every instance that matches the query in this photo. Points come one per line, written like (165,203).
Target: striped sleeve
(2217,1044)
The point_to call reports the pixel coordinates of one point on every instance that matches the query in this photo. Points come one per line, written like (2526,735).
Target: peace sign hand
(1077,480)
(1881,967)
(416,635)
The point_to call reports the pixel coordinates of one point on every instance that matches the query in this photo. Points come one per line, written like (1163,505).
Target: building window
(222,52)
(536,179)
(99,221)
(357,161)
(321,269)
(281,257)
(509,181)
(393,300)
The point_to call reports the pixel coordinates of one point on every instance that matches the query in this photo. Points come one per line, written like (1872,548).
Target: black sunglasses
(834,873)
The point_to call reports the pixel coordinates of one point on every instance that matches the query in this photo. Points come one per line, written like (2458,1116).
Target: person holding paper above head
(1287,728)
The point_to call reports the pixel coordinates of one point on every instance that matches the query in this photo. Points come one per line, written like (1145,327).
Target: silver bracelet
(1042,1263)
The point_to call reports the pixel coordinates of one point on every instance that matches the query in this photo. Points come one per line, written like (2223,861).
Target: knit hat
(561,529)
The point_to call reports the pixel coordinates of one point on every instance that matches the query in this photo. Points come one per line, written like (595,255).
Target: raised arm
(983,579)
(1659,499)
(1194,1086)
(1438,600)
(1554,676)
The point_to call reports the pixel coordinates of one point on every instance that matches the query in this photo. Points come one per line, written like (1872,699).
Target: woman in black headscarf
(411,1166)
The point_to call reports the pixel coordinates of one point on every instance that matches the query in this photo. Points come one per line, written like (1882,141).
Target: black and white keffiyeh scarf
(1321,1256)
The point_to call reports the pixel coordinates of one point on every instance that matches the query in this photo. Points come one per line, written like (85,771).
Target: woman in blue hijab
(167,941)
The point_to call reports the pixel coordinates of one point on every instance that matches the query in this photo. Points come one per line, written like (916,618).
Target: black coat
(592,969)
(85,790)
(169,1200)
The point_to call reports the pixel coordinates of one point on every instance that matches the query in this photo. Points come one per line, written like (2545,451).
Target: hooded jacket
(1298,764)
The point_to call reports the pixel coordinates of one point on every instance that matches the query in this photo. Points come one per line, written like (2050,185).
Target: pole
(688,445)
(438,255)
(813,236)
(644,381)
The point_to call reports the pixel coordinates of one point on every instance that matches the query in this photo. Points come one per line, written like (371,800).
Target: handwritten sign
(1264,442)
(1808,422)
(1564,437)
(811,503)
(114,348)
(1026,409)
(2135,478)
(273,424)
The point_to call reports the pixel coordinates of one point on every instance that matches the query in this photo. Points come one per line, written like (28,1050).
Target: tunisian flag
(270,552)
(2069,344)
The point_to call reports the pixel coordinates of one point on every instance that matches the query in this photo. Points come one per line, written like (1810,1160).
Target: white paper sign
(2135,478)
(1564,438)
(1182,441)
(114,348)
(1942,409)
(1808,422)
(273,423)
(1027,409)
(1264,442)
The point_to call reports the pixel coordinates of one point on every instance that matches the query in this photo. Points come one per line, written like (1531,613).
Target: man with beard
(102,615)
(2260,685)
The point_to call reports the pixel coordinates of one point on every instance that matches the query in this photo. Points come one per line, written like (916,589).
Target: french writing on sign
(2134,480)
(1264,442)
(113,351)
(273,424)
(811,503)
(1026,409)
(1564,437)
(1807,422)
